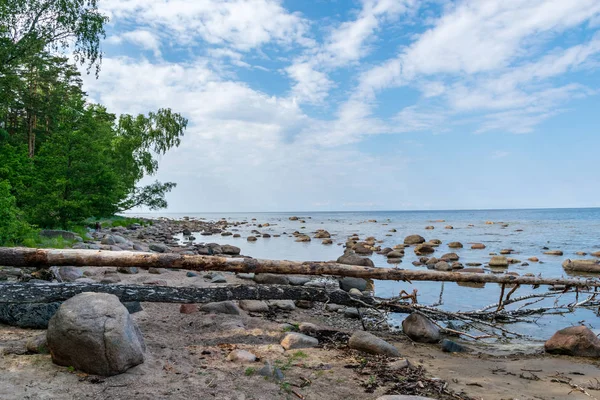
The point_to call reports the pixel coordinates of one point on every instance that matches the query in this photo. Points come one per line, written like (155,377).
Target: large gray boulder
(420,329)
(94,333)
(351,258)
(414,239)
(367,342)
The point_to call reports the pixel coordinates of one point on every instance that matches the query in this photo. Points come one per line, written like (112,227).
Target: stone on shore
(221,307)
(448,346)
(241,356)
(271,279)
(159,247)
(420,329)
(254,305)
(348,282)
(574,341)
(230,250)
(69,274)
(94,333)
(369,343)
(188,308)
(298,341)
(38,344)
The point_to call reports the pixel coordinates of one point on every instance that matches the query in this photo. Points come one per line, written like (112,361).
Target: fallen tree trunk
(51,292)
(26,257)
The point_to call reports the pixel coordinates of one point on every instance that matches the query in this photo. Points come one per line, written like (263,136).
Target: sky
(323,105)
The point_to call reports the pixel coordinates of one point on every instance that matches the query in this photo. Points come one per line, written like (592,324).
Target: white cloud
(345,44)
(145,39)
(239,24)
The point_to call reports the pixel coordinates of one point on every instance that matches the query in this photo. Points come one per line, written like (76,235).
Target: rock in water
(414,239)
(367,342)
(574,341)
(420,329)
(499,261)
(351,258)
(94,333)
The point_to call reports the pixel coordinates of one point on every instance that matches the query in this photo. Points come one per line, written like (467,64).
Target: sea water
(527,233)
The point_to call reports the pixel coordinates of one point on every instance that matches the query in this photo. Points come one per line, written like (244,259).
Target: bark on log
(51,292)
(26,257)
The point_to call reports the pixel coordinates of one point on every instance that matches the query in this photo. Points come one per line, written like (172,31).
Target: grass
(36,241)
(249,371)
(295,327)
(117,220)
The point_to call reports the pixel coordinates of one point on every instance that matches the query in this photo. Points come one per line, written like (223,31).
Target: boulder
(38,344)
(554,252)
(448,346)
(322,235)
(450,257)
(478,246)
(298,341)
(286,305)
(251,239)
(423,249)
(94,333)
(351,258)
(533,259)
(455,245)
(159,247)
(592,265)
(414,239)
(395,254)
(221,307)
(420,329)
(442,266)
(361,248)
(347,283)
(574,341)
(303,238)
(369,343)
(128,270)
(298,280)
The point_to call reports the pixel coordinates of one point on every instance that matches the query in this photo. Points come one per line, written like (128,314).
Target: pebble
(241,356)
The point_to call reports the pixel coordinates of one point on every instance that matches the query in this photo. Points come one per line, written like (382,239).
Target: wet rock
(448,227)
(361,248)
(414,239)
(302,238)
(574,341)
(351,258)
(28,315)
(251,238)
(592,265)
(450,257)
(188,308)
(499,261)
(423,249)
(533,259)
(595,254)
(266,235)
(327,241)
(94,333)
(254,306)
(554,252)
(298,341)
(420,329)
(221,307)
(241,356)
(430,227)
(271,279)
(449,346)
(442,266)
(455,245)
(478,246)
(369,343)
(322,234)
(395,254)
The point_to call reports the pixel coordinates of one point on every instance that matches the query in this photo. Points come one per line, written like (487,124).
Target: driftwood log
(26,257)
(51,292)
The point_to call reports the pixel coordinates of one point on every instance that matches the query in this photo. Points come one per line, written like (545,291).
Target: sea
(528,232)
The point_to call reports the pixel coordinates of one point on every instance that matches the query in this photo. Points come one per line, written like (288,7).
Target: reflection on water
(528,232)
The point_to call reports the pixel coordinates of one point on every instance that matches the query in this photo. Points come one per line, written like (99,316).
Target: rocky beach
(254,349)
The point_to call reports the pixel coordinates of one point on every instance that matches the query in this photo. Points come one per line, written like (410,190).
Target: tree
(28,27)
(138,140)
(13,227)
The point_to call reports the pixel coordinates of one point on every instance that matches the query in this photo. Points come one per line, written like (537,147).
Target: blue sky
(359,105)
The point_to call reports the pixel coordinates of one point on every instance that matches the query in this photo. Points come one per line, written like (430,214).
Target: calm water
(570,230)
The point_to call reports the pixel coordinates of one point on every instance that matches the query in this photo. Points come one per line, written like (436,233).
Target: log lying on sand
(51,292)
(581,265)
(26,257)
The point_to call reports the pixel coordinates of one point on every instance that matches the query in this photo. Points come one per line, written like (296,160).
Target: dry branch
(25,257)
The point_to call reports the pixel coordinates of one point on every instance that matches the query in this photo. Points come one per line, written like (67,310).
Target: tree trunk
(51,292)
(26,257)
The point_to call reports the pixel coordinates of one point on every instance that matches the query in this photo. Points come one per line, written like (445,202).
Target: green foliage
(65,160)
(13,228)
(249,371)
